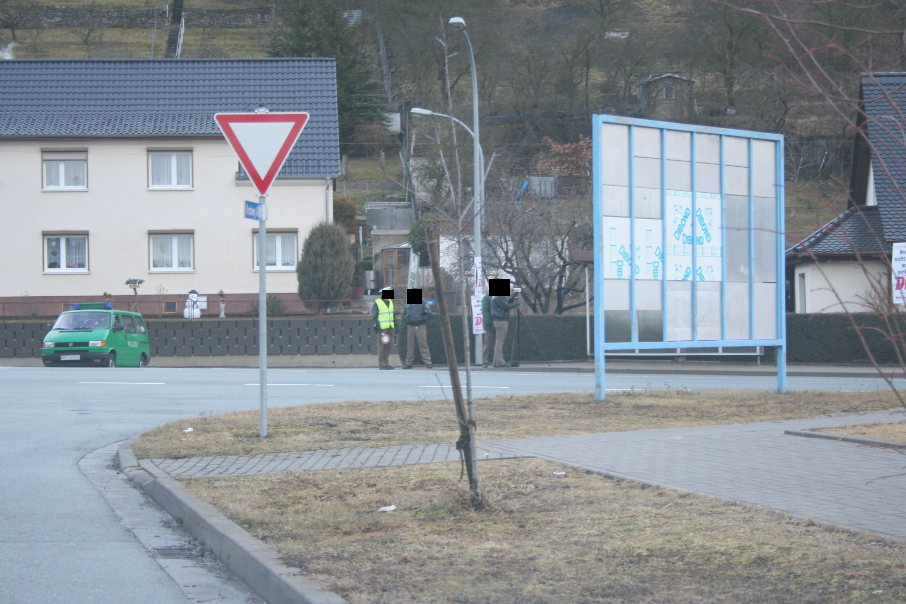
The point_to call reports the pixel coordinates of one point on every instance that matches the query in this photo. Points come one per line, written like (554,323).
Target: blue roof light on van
(93,306)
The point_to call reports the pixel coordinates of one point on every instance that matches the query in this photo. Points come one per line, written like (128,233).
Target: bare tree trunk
(466,442)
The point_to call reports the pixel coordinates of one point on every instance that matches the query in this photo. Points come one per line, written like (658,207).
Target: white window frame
(278,250)
(63,269)
(173,172)
(59,162)
(174,252)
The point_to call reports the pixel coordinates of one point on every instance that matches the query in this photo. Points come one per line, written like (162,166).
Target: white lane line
(327,385)
(129,383)
(473,387)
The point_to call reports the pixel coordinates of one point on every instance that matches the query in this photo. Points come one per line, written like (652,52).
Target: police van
(94,333)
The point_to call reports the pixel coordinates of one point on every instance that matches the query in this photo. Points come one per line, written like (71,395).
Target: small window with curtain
(169,169)
(66,253)
(280,251)
(172,252)
(65,170)
(669,93)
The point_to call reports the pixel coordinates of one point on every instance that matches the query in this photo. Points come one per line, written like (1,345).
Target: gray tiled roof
(884,100)
(171,98)
(871,229)
(855,231)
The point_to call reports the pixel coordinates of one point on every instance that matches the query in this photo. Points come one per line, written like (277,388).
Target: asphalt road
(59,539)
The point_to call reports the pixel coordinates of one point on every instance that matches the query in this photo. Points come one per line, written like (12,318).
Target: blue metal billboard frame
(601,346)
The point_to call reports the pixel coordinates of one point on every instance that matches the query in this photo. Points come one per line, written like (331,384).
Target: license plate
(70,357)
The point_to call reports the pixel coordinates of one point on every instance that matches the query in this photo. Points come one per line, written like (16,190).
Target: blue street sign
(252,210)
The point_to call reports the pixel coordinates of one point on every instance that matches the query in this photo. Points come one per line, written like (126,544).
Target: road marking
(328,385)
(496,387)
(129,383)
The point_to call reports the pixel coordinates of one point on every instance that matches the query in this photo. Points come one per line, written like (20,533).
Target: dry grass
(892,433)
(581,538)
(338,425)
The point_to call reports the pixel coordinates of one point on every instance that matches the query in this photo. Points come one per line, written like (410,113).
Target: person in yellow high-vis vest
(382,318)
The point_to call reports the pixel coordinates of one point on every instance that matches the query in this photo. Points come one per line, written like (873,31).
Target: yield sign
(262,141)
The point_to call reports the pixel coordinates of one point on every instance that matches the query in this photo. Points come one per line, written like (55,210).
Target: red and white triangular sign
(262,141)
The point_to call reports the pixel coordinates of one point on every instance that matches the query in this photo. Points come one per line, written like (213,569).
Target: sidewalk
(831,482)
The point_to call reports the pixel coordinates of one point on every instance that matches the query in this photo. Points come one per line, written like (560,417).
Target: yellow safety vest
(385,313)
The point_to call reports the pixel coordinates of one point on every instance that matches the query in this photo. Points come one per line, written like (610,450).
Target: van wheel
(111,359)
(144,361)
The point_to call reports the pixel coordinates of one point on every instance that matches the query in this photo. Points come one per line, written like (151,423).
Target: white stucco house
(845,265)
(115,169)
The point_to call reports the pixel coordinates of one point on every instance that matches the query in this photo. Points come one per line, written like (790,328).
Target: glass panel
(184,250)
(707,311)
(766,310)
(616,294)
(648,295)
(74,173)
(737,311)
(160,169)
(183,169)
(52,173)
(616,326)
(651,327)
(736,222)
(53,252)
(679,310)
(161,252)
(288,249)
(765,239)
(76,252)
(270,254)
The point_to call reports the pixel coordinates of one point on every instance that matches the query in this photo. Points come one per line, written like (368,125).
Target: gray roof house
(115,169)
(854,248)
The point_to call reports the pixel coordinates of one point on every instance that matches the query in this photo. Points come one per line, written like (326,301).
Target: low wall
(817,338)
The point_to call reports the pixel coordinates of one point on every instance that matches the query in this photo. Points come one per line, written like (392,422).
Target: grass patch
(338,425)
(581,538)
(892,433)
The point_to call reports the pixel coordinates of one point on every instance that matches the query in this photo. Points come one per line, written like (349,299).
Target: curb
(849,439)
(248,558)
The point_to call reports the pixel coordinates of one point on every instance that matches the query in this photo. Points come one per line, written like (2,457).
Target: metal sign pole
(262,315)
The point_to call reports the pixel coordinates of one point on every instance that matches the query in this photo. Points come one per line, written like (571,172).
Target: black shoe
(407,366)
(429,366)
(387,367)
(500,365)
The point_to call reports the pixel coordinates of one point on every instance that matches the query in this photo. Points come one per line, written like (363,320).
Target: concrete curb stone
(248,558)
(849,439)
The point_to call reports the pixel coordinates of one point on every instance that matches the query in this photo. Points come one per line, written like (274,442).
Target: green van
(94,333)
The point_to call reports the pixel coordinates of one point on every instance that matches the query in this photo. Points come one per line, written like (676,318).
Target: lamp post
(476,201)
(477,175)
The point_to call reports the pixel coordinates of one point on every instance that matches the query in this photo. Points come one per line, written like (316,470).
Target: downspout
(327,216)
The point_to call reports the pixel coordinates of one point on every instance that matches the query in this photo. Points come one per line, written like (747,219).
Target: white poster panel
(708,236)
(647,261)
(898,273)
(477,318)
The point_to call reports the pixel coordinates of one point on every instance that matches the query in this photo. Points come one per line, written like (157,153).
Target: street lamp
(478,173)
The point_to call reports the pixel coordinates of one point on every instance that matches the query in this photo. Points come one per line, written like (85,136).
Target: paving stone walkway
(844,484)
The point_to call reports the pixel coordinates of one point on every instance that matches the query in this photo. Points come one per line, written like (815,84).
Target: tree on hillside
(326,267)
(319,28)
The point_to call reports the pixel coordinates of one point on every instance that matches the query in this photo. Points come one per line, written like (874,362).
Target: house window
(669,93)
(172,252)
(66,253)
(280,251)
(65,170)
(170,169)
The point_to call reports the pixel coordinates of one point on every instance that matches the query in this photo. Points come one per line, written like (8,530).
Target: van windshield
(83,320)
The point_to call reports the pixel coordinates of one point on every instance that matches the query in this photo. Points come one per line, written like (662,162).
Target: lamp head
(421,111)
(457,22)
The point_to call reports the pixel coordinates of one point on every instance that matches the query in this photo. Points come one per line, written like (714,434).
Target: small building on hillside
(845,265)
(667,96)
(115,169)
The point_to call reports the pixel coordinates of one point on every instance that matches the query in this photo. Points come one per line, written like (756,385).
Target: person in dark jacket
(416,318)
(489,332)
(500,312)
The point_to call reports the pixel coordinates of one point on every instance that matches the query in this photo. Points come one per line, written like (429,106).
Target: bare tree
(824,47)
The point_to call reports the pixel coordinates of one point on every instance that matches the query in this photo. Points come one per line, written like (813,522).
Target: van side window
(127,321)
(139,325)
